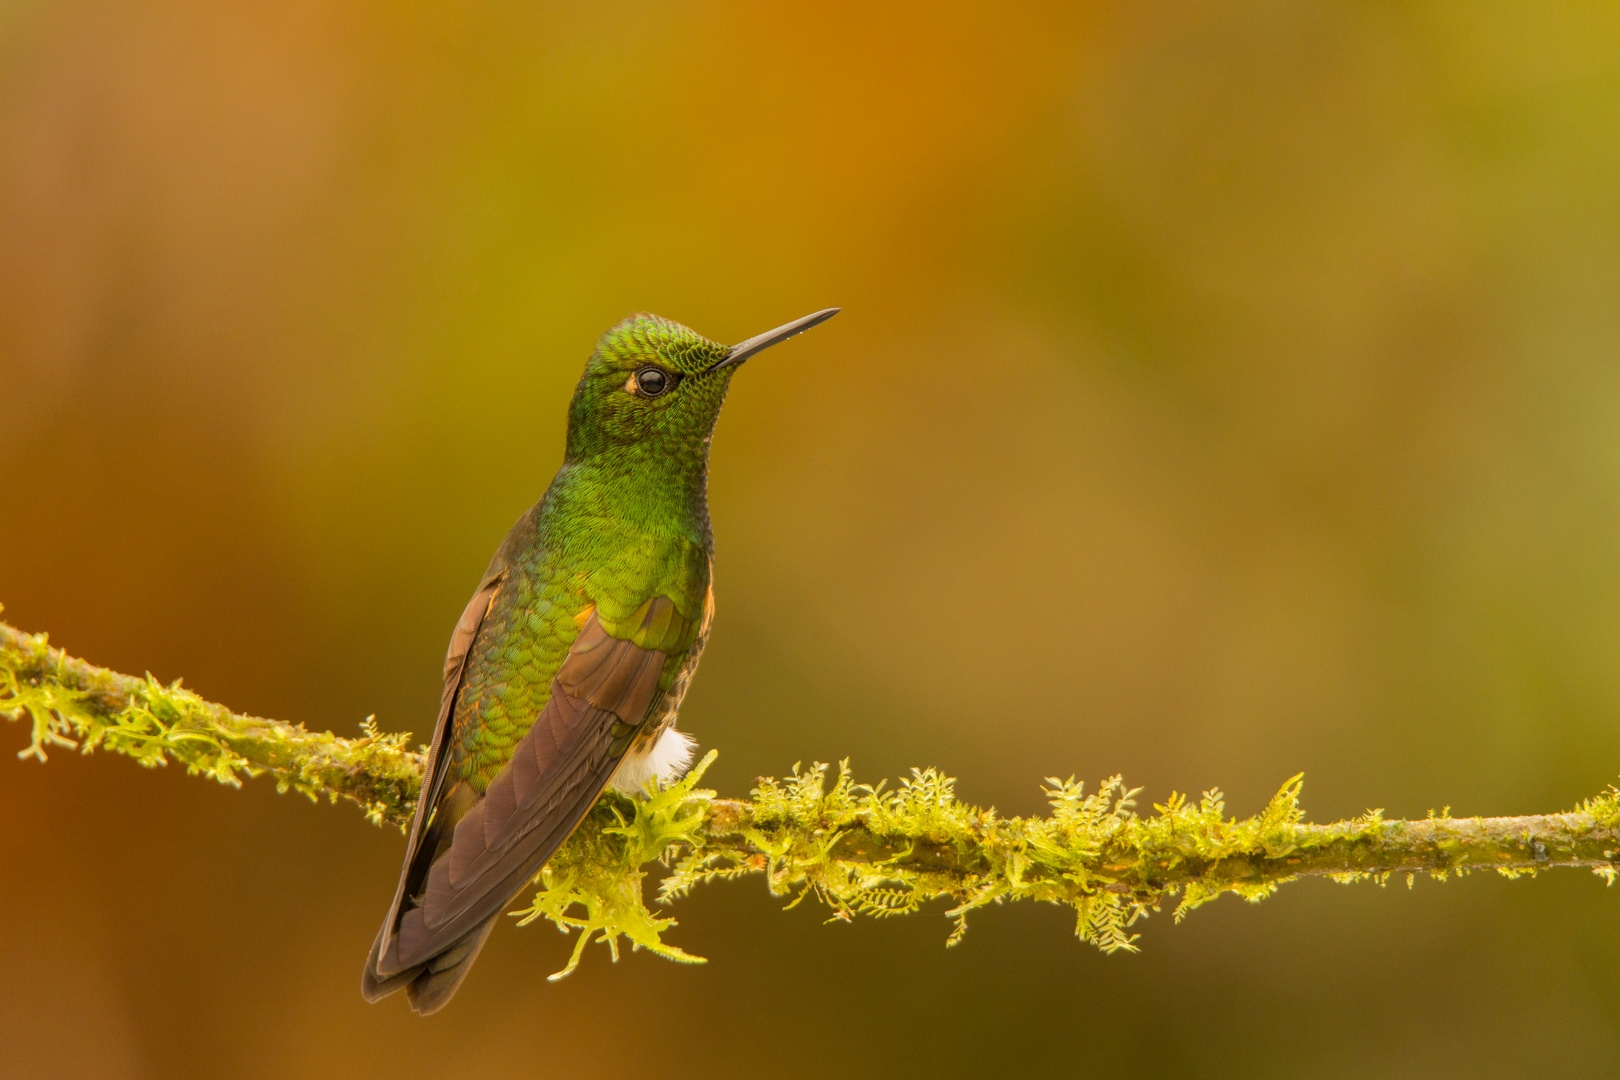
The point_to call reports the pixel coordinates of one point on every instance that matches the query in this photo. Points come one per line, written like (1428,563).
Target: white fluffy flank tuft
(668,759)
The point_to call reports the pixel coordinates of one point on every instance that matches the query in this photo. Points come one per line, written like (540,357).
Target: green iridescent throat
(640,461)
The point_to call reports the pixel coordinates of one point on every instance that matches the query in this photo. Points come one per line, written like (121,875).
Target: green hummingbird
(566,669)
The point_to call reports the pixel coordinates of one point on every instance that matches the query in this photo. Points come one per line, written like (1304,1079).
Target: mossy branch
(861,850)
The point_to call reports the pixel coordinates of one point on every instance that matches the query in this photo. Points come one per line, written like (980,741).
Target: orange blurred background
(1222,391)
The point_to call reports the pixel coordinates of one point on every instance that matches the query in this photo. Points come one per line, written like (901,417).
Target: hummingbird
(567,667)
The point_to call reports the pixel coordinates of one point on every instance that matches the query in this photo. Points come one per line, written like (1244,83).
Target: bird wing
(435,768)
(598,700)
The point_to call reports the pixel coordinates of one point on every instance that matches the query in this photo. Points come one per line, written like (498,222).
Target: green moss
(74,705)
(599,872)
(860,850)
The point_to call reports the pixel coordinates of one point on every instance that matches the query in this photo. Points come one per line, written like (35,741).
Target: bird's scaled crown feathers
(643,338)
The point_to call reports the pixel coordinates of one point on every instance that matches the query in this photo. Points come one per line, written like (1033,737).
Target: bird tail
(428,985)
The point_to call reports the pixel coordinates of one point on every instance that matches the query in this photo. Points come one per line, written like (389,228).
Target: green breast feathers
(650,593)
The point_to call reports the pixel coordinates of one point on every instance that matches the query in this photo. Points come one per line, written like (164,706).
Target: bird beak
(744,350)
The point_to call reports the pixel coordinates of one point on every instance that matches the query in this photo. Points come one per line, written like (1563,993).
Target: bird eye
(652,381)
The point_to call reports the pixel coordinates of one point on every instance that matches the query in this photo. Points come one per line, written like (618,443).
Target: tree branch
(862,850)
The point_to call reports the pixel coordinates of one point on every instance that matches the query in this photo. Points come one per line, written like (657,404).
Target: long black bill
(744,350)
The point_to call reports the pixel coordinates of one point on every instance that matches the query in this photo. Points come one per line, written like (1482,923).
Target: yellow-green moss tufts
(74,704)
(861,850)
(599,871)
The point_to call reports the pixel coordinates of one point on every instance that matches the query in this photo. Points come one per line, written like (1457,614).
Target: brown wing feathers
(383,973)
(451,892)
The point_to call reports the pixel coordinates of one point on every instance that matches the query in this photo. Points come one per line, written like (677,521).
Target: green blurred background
(1222,391)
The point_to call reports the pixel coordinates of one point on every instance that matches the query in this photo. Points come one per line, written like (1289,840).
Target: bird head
(655,385)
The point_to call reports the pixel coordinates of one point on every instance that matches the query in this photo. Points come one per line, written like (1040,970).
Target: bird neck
(645,487)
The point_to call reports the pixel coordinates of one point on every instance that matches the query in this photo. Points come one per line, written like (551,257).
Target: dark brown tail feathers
(430,984)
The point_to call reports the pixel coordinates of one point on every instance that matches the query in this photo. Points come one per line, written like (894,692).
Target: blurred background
(1236,382)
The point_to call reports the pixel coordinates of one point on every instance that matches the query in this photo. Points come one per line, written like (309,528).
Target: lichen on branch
(858,849)
(75,705)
